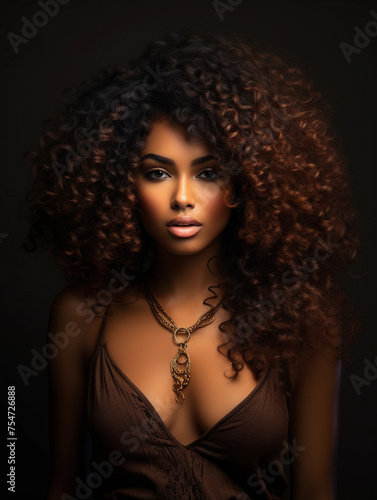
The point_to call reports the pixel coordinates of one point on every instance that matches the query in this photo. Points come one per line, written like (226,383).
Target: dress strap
(106,314)
(99,342)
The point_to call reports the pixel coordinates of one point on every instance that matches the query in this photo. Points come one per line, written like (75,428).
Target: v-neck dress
(135,456)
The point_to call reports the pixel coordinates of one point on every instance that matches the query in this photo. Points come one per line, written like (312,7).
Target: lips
(184,231)
(183,221)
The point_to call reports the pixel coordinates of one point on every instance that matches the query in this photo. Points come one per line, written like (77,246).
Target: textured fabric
(136,456)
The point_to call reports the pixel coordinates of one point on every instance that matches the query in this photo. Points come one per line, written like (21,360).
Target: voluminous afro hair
(291,234)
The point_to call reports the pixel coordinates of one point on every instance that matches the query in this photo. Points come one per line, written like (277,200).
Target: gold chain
(180,375)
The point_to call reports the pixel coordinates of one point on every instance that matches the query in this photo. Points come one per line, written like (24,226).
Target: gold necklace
(181,376)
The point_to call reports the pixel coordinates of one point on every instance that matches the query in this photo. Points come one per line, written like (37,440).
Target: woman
(199,205)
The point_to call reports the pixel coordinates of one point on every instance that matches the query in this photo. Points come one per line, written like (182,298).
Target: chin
(185,250)
(187,246)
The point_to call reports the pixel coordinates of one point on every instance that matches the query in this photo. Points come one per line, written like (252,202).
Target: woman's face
(177,178)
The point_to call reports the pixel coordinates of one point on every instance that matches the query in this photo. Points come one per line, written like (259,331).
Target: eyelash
(154,179)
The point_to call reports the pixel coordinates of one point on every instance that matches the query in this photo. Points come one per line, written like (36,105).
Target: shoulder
(316,371)
(73,304)
(68,298)
(75,312)
(72,315)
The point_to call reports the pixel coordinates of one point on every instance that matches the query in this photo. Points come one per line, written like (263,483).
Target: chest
(142,349)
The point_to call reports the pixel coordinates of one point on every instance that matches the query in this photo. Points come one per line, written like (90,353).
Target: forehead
(167,137)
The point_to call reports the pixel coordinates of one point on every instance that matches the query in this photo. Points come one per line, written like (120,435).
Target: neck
(184,278)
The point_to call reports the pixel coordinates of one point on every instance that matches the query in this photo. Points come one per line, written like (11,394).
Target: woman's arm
(67,377)
(313,426)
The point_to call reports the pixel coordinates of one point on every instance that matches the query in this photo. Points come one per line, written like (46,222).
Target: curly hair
(292,232)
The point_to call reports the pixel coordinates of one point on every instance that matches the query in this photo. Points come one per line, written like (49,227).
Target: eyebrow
(168,161)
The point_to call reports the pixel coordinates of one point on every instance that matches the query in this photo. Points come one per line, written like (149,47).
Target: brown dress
(135,456)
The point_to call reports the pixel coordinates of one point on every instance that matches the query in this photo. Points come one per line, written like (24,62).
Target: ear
(230,197)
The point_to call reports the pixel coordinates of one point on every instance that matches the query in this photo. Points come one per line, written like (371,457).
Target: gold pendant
(181,359)
(182,377)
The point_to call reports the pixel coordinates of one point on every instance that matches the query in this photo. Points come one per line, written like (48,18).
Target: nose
(184,194)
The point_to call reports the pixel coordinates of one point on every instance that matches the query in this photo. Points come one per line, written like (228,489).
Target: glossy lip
(184,231)
(183,221)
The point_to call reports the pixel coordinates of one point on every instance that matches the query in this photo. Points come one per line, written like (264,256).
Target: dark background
(85,36)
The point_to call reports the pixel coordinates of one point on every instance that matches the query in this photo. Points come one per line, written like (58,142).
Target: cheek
(149,203)
(217,210)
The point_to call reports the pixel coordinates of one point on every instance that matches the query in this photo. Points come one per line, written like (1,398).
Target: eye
(212,175)
(157,174)
(153,175)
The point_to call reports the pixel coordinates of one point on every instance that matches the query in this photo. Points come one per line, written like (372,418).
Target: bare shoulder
(72,312)
(72,315)
(319,369)
(68,298)
(73,304)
